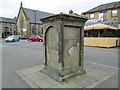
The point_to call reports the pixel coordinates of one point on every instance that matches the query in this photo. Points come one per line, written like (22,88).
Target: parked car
(25,37)
(20,36)
(36,38)
(12,38)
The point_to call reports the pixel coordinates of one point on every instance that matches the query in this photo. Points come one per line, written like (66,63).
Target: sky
(10,8)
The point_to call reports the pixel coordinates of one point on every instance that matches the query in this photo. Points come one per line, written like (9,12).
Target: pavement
(95,75)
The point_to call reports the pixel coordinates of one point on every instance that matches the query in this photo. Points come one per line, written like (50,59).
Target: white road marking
(27,44)
(94,84)
(102,65)
(3,46)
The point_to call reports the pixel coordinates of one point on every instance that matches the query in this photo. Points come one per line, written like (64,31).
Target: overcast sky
(10,8)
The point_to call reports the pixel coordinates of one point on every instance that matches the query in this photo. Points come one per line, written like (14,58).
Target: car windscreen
(34,36)
(11,37)
(39,36)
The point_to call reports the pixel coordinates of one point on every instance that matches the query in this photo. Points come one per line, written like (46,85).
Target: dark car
(36,38)
(25,37)
(20,37)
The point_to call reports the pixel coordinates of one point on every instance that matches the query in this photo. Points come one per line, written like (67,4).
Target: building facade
(108,14)
(7,27)
(28,21)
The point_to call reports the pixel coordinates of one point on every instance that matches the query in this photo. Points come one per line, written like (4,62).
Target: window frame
(112,14)
(21,22)
(93,17)
(103,16)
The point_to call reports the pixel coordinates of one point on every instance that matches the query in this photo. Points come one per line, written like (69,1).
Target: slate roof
(102,7)
(114,23)
(7,20)
(75,14)
(34,15)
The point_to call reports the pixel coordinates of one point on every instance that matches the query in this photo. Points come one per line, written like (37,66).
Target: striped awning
(114,23)
(98,26)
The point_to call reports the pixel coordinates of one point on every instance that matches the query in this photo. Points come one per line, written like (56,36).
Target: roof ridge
(35,15)
(110,3)
(37,10)
(6,17)
(105,6)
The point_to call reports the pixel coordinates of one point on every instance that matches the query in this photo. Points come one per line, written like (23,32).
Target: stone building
(7,27)
(28,21)
(108,14)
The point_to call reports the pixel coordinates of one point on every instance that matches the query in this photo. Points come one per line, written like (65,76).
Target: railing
(102,41)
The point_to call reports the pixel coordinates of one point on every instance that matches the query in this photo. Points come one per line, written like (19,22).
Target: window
(91,16)
(21,22)
(33,30)
(114,13)
(10,29)
(5,24)
(42,31)
(102,16)
(118,26)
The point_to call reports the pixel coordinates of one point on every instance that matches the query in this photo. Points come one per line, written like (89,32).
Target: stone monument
(63,46)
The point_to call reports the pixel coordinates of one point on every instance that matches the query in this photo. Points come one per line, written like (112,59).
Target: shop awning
(114,23)
(98,27)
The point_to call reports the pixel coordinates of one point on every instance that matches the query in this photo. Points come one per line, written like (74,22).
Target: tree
(116,33)
(107,33)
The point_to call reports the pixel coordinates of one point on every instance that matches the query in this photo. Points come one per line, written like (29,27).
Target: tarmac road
(105,56)
(24,54)
(18,55)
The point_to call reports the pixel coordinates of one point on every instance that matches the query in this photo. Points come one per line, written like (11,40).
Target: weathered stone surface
(73,51)
(71,32)
(63,38)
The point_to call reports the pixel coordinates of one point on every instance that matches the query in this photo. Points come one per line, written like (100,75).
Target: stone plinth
(63,46)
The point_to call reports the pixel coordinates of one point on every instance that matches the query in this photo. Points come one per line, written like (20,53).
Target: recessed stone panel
(71,32)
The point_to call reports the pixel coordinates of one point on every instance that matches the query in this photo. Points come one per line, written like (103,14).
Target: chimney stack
(71,12)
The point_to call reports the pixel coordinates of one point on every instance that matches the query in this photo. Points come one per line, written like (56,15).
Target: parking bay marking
(27,44)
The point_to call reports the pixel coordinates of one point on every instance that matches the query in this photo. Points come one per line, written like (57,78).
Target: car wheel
(13,40)
(40,40)
(30,40)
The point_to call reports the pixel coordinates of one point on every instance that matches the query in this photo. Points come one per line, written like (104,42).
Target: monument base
(62,75)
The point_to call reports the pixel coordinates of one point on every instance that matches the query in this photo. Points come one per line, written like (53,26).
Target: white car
(12,38)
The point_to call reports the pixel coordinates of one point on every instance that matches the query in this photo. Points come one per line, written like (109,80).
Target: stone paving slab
(93,77)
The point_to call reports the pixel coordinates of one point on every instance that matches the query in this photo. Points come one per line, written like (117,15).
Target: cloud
(10,8)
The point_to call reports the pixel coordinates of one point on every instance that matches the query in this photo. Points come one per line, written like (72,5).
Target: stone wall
(10,27)
(108,17)
(25,25)
(1,30)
